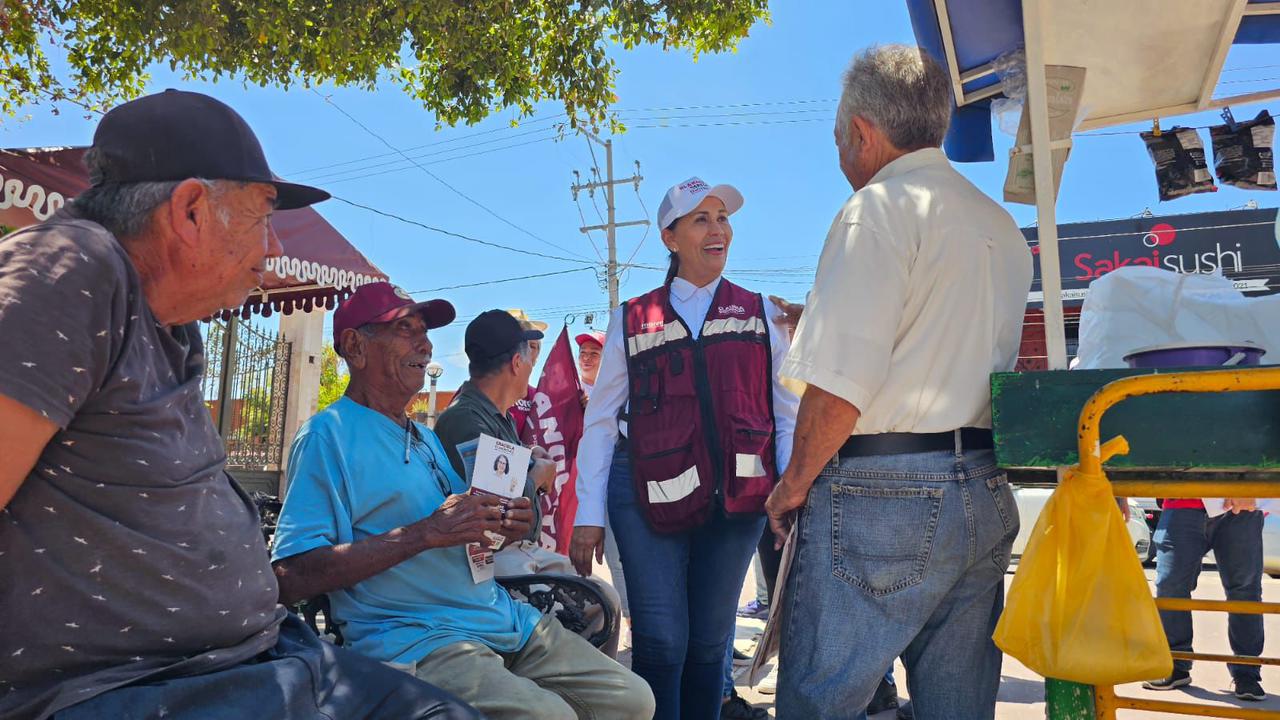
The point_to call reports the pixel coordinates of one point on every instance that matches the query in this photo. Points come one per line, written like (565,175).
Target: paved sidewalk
(1022,691)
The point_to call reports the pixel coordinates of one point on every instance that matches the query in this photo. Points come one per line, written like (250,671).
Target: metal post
(431,406)
(1046,195)
(613,245)
(611,225)
(225,384)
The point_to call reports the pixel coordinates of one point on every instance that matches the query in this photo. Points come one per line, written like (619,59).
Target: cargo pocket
(751,470)
(881,538)
(669,486)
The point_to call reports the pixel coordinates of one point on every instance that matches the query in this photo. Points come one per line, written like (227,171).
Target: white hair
(902,91)
(125,208)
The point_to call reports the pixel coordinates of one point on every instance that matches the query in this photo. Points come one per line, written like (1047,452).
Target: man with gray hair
(907,524)
(135,577)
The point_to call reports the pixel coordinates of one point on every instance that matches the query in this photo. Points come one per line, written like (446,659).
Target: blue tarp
(982,30)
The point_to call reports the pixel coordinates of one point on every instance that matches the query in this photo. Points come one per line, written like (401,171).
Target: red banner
(557,419)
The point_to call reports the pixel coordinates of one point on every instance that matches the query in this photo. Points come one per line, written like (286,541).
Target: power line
(434,162)
(1250,67)
(722,124)
(807,111)
(503,280)
(336,173)
(1254,80)
(467,137)
(460,236)
(764,103)
(437,178)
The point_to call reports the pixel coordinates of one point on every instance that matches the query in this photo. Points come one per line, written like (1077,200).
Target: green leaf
(461,60)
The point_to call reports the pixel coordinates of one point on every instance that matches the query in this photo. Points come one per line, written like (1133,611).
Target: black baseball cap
(176,135)
(495,332)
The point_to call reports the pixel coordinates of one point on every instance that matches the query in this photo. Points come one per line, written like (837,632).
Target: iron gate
(246,387)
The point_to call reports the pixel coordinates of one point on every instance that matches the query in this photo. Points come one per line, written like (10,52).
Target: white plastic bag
(1137,306)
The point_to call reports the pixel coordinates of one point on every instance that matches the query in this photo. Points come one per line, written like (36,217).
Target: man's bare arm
(823,423)
(25,434)
(459,520)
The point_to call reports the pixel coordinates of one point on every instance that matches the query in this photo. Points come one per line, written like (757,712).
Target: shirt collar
(911,161)
(470,392)
(683,289)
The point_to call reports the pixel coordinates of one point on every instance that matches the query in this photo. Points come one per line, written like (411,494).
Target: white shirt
(919,296)
(600,432)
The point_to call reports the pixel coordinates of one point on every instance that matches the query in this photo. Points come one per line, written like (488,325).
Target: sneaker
(755,610)
(905,712)
(886,698)
(768,685)
(1249,690)
(737,708)
(740,658)
(1178,679)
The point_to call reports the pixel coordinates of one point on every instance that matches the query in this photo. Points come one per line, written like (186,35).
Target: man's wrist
(422,536)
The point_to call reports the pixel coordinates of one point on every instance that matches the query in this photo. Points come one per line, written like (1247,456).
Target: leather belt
(903,443)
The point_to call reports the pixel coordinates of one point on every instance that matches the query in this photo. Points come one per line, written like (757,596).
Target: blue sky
(759,118)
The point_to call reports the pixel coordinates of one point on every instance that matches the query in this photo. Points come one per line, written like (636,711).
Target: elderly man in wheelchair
(376,520)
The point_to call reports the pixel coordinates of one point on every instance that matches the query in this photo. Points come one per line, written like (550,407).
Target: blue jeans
(683,591)
(1182,538)
(898,555)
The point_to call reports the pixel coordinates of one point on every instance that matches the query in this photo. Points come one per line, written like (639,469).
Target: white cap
(682,199)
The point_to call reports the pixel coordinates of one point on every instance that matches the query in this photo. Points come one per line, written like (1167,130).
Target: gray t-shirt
(128,552)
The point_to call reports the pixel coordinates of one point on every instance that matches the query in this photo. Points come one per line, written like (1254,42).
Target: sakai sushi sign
(1243,244)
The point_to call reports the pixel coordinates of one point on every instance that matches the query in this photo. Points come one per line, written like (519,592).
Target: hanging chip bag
(1245,157)
(1178,155)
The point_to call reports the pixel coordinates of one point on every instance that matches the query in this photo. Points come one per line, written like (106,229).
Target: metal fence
(246,388)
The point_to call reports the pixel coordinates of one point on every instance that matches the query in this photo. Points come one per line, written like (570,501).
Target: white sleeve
(600,427)
(785,402)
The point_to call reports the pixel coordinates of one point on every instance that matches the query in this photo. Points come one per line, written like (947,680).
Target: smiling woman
(708,428)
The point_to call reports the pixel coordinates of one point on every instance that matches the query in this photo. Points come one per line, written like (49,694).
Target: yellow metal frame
(1093,453)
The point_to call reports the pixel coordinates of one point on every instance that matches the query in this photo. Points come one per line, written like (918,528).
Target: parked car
(1150,509)
(1032,498)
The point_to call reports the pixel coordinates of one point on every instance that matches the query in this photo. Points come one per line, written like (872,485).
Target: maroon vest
(700,423)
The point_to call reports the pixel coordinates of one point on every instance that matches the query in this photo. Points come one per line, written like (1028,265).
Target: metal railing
(246,387)
(1071,701)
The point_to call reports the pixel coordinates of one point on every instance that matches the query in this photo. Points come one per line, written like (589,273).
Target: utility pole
(611,226)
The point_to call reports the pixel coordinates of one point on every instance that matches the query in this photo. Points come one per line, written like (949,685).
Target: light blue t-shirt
(348,481)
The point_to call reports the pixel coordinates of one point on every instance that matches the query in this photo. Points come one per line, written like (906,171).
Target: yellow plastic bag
(1079,607)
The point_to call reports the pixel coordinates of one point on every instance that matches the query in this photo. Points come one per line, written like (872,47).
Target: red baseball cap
(594,336)
(380,302)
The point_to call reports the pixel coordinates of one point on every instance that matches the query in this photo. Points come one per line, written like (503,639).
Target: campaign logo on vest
(731,310)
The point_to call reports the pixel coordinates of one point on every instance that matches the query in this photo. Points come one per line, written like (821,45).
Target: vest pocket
(669,486)
(750,469)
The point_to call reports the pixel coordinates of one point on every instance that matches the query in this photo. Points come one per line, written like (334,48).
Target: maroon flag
(557,423)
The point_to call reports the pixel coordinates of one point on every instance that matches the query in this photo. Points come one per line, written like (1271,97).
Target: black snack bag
(1245,157)
(1178,155)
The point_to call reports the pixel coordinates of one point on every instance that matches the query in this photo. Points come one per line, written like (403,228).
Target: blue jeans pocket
(881,538)
(1007,507)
